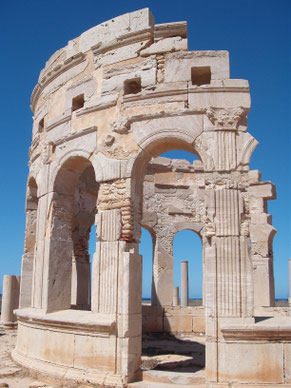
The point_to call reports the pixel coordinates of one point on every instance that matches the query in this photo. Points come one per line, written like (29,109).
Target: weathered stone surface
(265,190)
(165,45)
(178,65)
(10,299)
(251,363)
(105,107)
(116,28)
(114,78)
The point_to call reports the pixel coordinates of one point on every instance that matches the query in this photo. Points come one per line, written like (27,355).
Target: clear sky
(255,32)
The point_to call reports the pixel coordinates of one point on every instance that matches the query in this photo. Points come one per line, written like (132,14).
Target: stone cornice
(98,104)
(49,76)
(269,329)
(83,321)
(144,95)
(123,40)
(75,135)
(66,116)
(167,30)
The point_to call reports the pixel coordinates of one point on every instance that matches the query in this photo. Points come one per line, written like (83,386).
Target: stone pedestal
(184,284)
(10,299)
(175,296)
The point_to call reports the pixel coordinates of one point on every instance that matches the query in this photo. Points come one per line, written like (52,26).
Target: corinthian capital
(225,118)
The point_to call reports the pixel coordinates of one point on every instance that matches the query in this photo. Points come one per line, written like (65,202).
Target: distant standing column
(289,263)
(184,284)
(10,299)
(175,296)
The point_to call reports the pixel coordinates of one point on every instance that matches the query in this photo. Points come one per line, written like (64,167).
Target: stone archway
(72,213)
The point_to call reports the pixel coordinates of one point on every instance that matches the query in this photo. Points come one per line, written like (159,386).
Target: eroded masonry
(105,107)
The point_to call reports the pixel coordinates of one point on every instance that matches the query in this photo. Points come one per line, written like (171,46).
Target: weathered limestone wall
(173,319)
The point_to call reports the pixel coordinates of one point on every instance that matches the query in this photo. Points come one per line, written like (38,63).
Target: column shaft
(184,284)
(175,296)
(10,299)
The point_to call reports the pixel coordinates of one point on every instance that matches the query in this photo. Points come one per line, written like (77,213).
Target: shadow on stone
(172,353)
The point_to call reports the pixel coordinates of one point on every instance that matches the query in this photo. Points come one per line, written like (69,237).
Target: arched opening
(181,155)
(73,214)
(170,202)
(92,249)
(187,247)
(29,244)
(146,249)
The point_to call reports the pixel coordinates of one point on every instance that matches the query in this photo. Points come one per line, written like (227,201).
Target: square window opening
(201,75)
(132,86)
(41,125)
(78,102)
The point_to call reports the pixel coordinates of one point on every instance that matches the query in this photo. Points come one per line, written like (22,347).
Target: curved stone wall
(106,104)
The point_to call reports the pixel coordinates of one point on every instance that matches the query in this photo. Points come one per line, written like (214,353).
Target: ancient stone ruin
(105,107)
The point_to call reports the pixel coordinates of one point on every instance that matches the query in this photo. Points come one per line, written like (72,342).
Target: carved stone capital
(225,119)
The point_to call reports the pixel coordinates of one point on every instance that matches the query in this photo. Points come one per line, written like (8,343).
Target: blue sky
(255,32)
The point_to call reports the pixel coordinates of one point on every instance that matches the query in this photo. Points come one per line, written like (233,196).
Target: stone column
(105,262)
(230,282)
(10,299)
(289,264)
(129,312)
(175,296)
(184,284)
(116,289)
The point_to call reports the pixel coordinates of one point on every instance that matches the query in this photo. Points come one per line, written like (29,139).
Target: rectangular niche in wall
(41,125)
(132,86)
(78,102)
(200,75)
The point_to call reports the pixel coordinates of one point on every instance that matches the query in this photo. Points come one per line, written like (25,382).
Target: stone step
(146,384)
(172,379)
